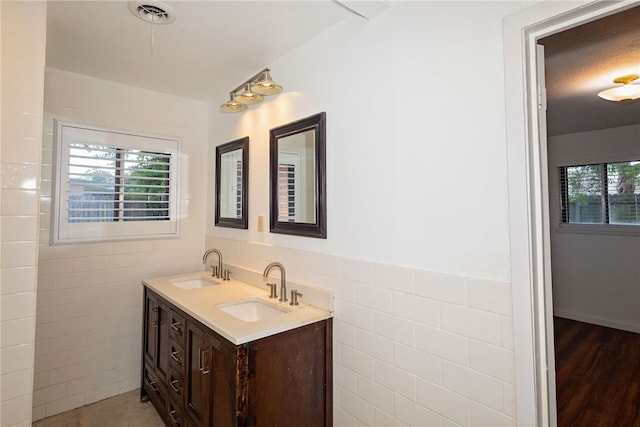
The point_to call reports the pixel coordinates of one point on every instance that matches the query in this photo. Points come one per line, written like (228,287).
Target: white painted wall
(415,113)
(23,40)
(415,134)
(89,311)
(595,272)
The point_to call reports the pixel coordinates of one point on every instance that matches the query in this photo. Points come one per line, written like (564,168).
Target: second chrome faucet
(283,279)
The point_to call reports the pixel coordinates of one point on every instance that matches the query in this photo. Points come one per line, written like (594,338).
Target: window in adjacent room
(112,185)
(604,193)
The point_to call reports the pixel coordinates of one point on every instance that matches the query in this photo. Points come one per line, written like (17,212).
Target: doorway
(592,150)
(529,198)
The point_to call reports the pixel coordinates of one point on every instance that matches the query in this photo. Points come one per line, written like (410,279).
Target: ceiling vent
(152,12)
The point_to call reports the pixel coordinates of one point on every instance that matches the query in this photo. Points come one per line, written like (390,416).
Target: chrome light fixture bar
(251,92)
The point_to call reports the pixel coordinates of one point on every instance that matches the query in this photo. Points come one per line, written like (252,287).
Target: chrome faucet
(216,251)
(283,279)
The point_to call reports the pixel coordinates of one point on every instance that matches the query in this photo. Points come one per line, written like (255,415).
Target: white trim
(526,194)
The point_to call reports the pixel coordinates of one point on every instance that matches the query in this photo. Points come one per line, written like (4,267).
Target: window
(113,185)
(604,193)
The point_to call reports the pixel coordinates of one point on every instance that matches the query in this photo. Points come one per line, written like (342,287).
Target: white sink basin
(193,282)
(252,310)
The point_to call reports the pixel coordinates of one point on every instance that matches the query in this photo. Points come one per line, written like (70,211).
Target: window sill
(603,229)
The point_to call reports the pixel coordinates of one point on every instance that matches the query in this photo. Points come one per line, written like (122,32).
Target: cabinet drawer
(177,357)
(175,416)
(176,386)
(176,329)
(155,390)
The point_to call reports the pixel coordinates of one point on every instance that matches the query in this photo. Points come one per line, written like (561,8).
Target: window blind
(107,179)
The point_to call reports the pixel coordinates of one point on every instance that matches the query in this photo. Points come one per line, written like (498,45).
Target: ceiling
(584,60)
(210,48)
(213,46)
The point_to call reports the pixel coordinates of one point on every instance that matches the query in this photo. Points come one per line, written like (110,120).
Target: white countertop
(202,304)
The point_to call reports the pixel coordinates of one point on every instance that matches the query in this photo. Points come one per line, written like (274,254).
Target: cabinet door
(290,378)
(230,372)
(163,351)
(156,336)
(197,387)
(150,328)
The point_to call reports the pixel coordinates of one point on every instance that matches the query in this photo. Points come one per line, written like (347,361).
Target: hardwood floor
(597,375)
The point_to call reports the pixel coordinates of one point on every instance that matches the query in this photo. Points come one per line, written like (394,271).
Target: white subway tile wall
(411,347)
(22,75)
(89,310)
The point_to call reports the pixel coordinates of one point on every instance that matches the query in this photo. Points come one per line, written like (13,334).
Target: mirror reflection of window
(296,182)
(287,183)
(231,184)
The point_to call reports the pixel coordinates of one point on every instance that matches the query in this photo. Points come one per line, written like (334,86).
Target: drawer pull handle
(173,386)
(201,353)
(174,356)
(154,323)
(172,414)
(152,384)
(176,327)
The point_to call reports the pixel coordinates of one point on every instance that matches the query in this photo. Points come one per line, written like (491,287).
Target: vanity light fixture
(251,92)
(266,86)
(232,106)
(629,90)
(247,97)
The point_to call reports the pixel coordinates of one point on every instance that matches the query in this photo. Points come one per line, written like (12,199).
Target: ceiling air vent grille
(153,12)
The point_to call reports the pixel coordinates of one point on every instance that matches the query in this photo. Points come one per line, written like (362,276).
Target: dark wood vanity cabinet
(197,378)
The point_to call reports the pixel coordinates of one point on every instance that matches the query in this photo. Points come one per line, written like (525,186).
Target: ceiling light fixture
(629,90)
(251,92)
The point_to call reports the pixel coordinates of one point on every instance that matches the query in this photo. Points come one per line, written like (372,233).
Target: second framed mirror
(232,184)
(297,178)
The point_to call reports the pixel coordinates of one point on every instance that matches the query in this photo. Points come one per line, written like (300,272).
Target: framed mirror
(232,184)
(297,178)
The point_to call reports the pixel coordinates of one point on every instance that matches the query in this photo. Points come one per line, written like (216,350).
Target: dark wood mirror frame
(243,220)
(318,228)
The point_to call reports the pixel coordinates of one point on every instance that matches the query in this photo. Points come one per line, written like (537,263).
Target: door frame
(528,195)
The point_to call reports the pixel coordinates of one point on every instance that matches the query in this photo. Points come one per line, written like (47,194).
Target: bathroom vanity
(221,353)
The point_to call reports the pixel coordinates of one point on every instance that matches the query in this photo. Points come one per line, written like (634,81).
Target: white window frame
(63,231)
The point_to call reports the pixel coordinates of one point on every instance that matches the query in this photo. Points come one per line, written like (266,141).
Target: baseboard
(597,321)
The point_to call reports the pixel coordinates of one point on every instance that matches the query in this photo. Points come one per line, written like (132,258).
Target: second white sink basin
(252,310)
(193,282)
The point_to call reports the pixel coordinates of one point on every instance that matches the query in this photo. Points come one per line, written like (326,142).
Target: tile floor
(125,410)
